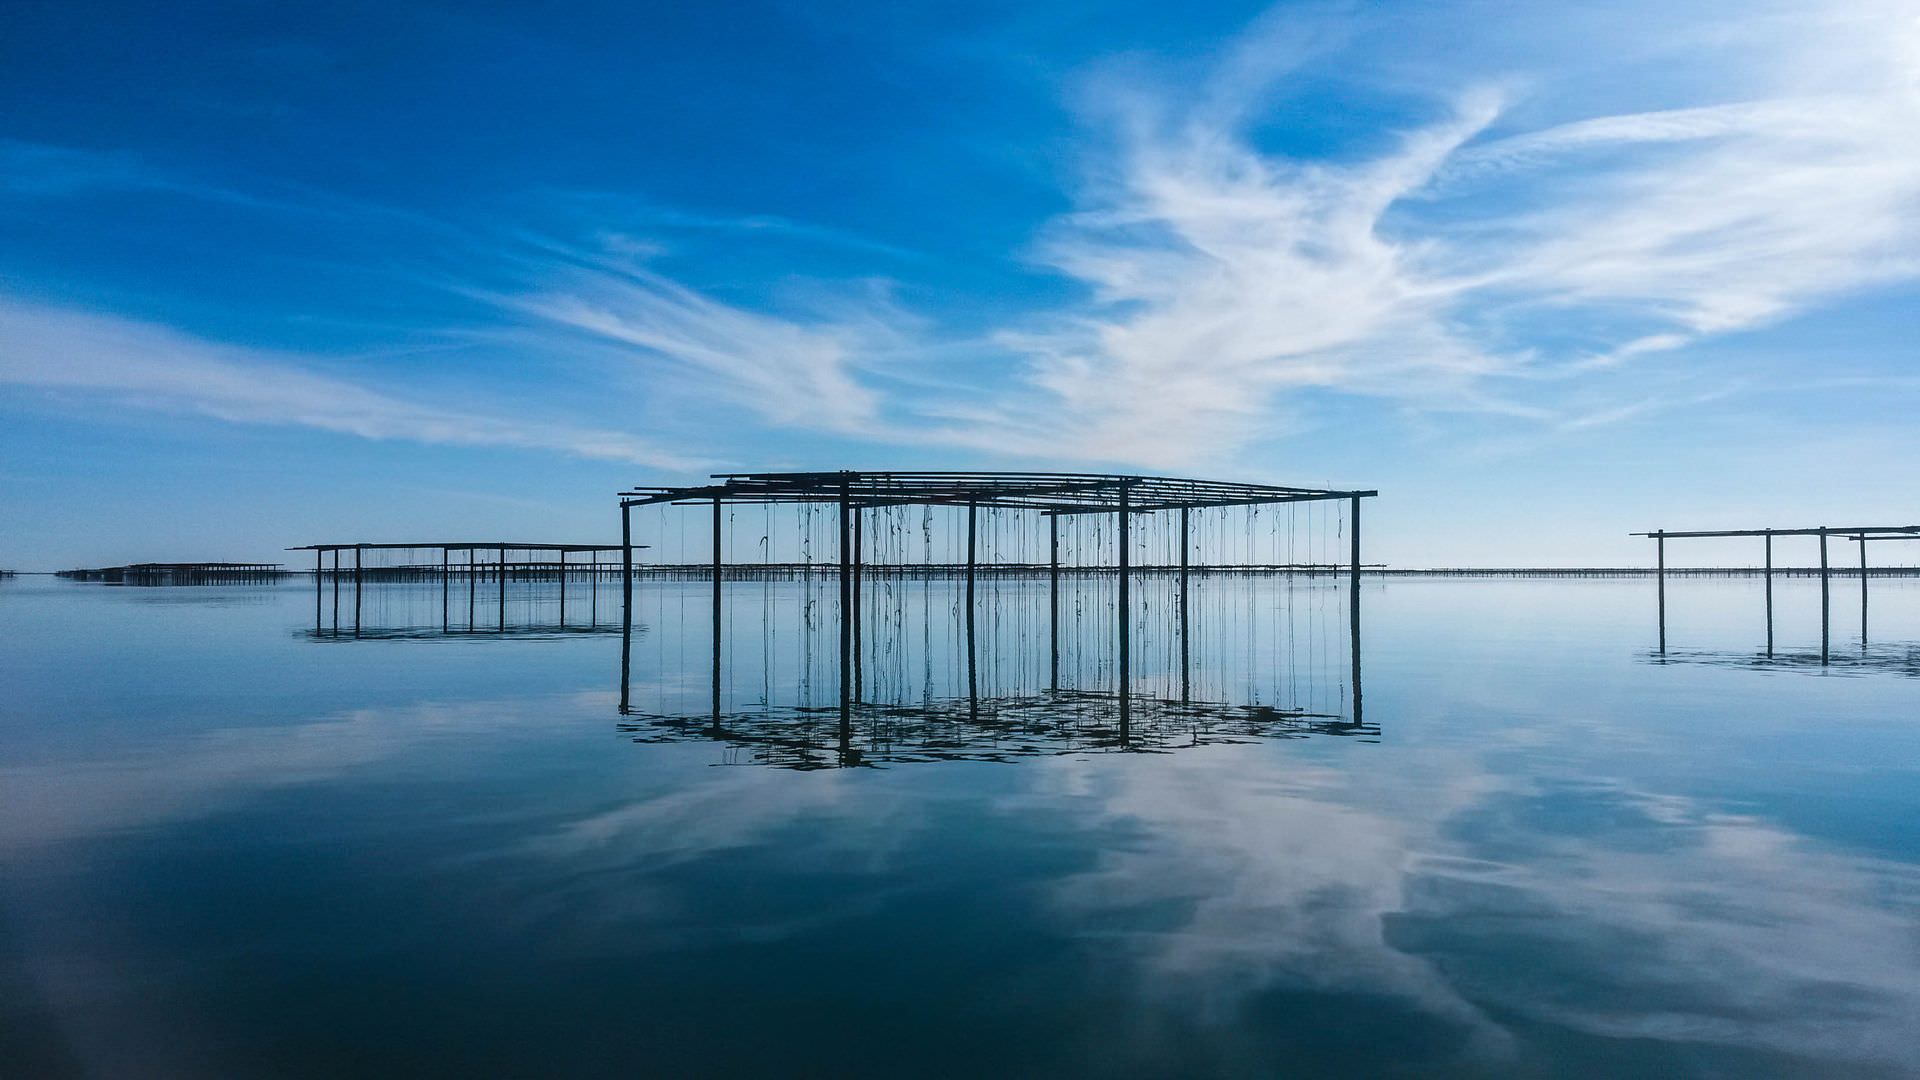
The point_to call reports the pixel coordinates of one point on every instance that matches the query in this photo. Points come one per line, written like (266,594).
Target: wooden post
(1124,606)
(1660,582)
(472,587)
(626,603)
(859,571)
(446,588)
(973,546)
(846,601)
(336,590)
(1053,598)
(973,552)
(626,562)
(1353,602)
(716,612)
(1863,589)
(503,591)
(317,569)
(356,590)
(1825,604)
(1769,585)
(1186,544)
(563,588)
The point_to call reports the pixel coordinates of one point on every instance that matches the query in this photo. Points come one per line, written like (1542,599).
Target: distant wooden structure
(196,573)
(499,570)
(1860,534)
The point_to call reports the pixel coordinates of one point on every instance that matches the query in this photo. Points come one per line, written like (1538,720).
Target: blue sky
(1542,274)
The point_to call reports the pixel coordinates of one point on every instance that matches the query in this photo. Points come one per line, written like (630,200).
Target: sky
(1541,274)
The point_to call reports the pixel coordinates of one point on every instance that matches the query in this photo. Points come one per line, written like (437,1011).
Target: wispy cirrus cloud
(1222,276)
(156,368)
(1483,262)
(791,372)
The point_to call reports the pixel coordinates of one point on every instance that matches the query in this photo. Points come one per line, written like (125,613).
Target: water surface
(235,841)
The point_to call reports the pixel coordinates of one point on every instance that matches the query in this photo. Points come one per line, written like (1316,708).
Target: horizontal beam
(477,545)
(1151,508)
(1892,531)
(1045,492)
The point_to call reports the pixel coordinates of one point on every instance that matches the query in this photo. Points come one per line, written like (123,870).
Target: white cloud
(152,367)
(1222,276)
(790,372)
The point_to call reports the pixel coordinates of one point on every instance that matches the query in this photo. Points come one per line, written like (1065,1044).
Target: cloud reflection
(1524,918)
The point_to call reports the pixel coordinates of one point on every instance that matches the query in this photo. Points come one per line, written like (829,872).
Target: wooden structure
(1860,534)
(498,570)
(197,573)
(1050,494)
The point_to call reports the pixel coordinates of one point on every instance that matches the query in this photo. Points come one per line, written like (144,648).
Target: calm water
(234,845)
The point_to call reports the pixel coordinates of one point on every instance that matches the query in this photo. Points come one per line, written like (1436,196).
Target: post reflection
(979,668)
(405,607)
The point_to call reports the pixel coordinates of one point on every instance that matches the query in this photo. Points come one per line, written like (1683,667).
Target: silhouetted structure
(1861,534)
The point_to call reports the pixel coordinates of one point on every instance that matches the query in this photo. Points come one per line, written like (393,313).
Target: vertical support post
(626,562)
(1353,600)
(593,590)
(446,589)
(1125,607)
(1660,583)
(1768,575)
(626,603)
(317,569)
(1053,598)
(1825,599)
(846,601)
(1863,588)
(356,590)
(472,586)
(503,591)
(716,613)
(1186,652)
(336,590)
(973,546)
(859,571)
(972,558)
(563,588)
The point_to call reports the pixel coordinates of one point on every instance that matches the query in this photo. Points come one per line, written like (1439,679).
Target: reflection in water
(1858,654)
(1891,658)
(993,729)
(1557,927)
(1826,654)
(944,668)
(580,601)
(434,633)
